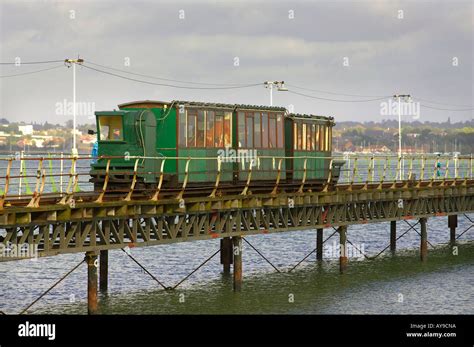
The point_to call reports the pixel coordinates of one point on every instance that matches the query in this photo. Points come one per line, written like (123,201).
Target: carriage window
(111,128)
(257,130)
(191,128)
(297,130)
(300,132)
(264,130)
(308,136)
(227,129)
(325,138)
(182,129)
(210,129)
(321,137)
(316,140)
(313,137)
(326,142)
(219,130)
(330,138)
(249,130)
(295,136)
(279,131)
(241,121)
(272,131)
(303,137)
(200,129)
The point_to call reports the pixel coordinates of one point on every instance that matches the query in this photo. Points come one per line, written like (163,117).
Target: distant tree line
(417,136)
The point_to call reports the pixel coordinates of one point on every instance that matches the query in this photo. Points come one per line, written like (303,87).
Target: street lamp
(406,98)
(73,62)
(280,85)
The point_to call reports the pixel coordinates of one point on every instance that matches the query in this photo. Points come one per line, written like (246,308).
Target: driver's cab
(110,127)
(121,137)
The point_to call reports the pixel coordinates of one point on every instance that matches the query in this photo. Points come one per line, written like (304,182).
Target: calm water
(389,284)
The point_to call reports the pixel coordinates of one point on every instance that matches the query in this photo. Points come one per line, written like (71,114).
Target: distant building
(38,143)
(78,132)
(413,135)
(348,146)
(26,129)
(384,149)
(87,139)
(376,149)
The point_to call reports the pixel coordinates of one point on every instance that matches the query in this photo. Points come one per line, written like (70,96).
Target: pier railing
(31,180)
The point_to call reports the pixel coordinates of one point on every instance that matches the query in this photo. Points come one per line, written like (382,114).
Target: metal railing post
(446,173)
(61,172)
(128,197)
(72,183)
(275,189)
(160,182)
(21,175)
(249,177)
(303,180)
(218,177)
(106,181)
(40,178)
(185,181)
(328,182)
(7,183)
(382,179)
(354,171)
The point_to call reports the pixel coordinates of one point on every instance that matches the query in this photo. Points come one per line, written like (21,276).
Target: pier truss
(60,229)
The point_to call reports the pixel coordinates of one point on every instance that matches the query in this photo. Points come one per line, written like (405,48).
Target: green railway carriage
(309,143)
(182,140)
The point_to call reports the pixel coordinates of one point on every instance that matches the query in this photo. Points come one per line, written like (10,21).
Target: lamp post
(406,97)
(280,85)
(73,62)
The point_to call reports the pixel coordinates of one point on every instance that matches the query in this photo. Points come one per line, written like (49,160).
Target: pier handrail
(360,171)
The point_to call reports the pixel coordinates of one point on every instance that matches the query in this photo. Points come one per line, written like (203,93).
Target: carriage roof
(165,104)
(197,104)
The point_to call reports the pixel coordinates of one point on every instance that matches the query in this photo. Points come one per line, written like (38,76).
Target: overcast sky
(428,53)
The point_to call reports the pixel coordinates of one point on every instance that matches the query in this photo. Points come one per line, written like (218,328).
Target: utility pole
(280,85)
(74,62)
(406,97)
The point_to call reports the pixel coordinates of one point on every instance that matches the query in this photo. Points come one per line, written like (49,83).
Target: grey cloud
(387,55)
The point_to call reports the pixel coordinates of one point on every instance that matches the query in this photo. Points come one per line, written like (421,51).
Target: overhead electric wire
(336,100)
(334,93)
(163,78)
(440,103)
(381,98)
(34,62)
(32,72)
(468,107)
(447,109)
(218,86)
(169,85)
